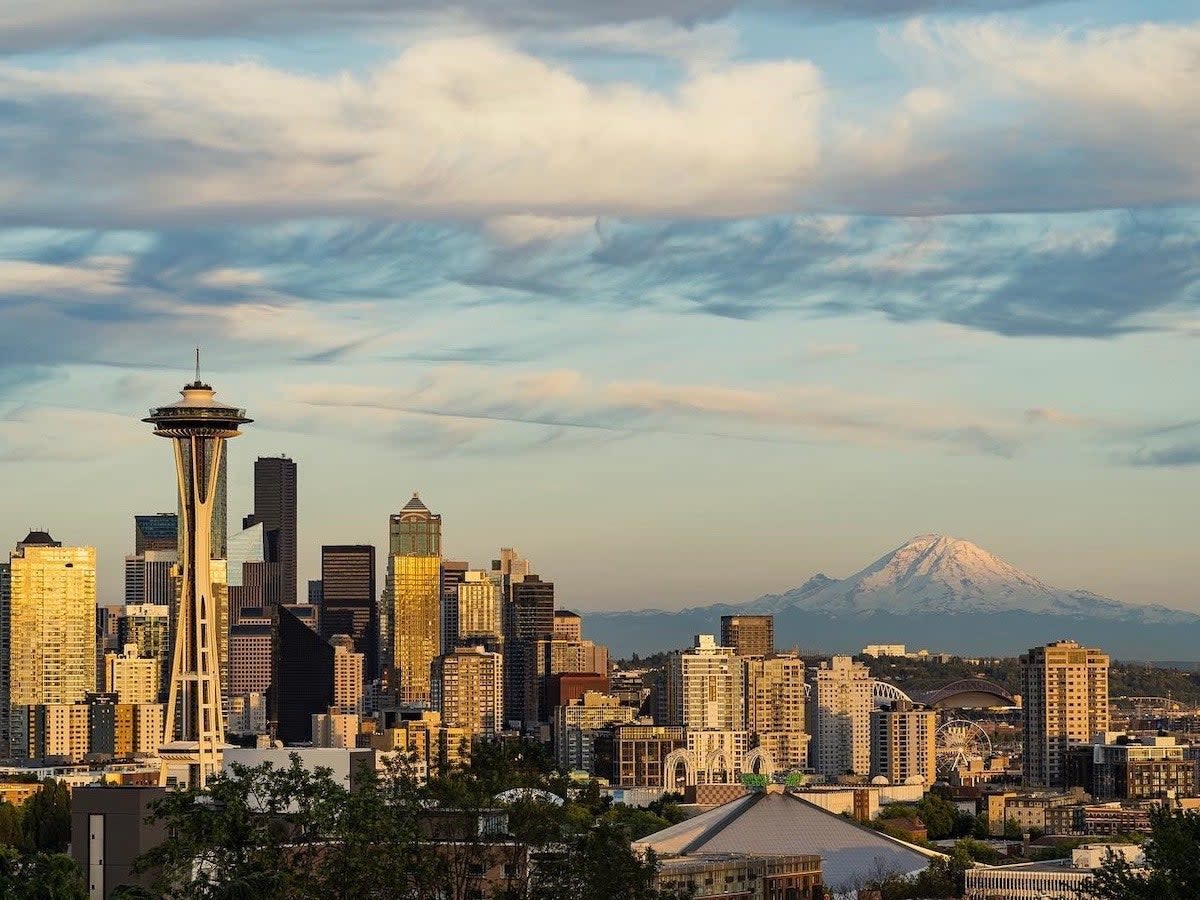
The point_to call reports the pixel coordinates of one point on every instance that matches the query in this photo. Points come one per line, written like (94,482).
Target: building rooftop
(40,539)
(415,503)
(775,823)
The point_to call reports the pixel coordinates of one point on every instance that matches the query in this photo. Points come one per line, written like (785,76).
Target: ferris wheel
(960,740)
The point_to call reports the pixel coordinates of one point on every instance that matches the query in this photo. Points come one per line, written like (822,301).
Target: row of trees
(33,838)
(294,833)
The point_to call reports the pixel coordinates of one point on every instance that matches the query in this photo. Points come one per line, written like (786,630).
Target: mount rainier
(934,591)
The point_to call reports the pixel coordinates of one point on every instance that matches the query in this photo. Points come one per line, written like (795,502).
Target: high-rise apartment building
(349,603)
(904,743)
(48,629)
(479,611)
(568,626)
(842,732)
(775,709)
(468,690)
(275,508)
(133,678)
(749,635)
(145,625)
(705,687)
(254,581)
(1064,690)
(347,676)
(413,598)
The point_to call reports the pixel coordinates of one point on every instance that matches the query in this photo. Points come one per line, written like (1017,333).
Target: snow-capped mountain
(937,574)
(933,591)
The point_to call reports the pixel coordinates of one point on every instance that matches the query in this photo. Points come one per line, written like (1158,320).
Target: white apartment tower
(706,687)
(843,717)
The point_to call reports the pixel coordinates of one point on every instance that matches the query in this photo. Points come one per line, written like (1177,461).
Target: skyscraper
(478,602)
(528,618)
(468,690)
(157,532)
(453,573)
(47,632)
(349,603)
(414,598)
(1064,690)
(302,677)
(275,508)
(775,709)
(904,743)
(749,635)
(198,426)
(706,687)
(844,702)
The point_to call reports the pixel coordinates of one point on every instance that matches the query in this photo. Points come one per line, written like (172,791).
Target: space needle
(194,730)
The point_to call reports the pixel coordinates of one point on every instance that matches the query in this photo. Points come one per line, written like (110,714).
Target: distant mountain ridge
(937,574)
(934,590)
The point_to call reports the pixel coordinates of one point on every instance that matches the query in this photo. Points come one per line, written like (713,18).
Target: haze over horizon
(687,301)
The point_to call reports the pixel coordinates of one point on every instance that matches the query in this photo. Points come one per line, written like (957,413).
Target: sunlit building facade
(413,598)
(48,633)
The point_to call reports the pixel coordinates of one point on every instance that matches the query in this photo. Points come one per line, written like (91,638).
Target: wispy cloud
(565,400)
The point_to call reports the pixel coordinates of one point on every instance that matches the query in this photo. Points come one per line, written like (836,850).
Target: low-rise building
(633,755)
(735,876)
(577,724)
(1029,810)
(1120,767)
(1055,880)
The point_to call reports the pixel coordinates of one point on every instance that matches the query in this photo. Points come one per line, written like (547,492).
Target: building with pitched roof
(775,823)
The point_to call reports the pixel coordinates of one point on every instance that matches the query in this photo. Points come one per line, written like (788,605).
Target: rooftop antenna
(197,365)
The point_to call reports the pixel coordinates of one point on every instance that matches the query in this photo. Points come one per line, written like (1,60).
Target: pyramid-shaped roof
(773,823)
(415,503)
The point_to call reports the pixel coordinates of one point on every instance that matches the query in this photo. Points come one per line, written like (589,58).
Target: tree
(599,865)
(11,832)
(46,818)
(40,876)
(1169,871)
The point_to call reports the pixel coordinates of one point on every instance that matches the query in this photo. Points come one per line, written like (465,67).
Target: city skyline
(782,282)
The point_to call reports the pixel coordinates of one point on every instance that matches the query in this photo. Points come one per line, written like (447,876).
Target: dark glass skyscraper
(528,618)
(275,507)
(301,677)
(349,604)
(157,532)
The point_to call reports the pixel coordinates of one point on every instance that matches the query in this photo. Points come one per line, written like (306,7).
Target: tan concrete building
(348,666)
(775,710)
(904,743)
(705,687)
(133,678)
(47,631)
(425,743)
(138,729)
(1065,701)
(335,730)
(479,612)
(577,724)
(468,690)
(842,731)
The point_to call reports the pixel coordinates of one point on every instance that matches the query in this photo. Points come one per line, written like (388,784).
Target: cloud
(450,127)
(51,434)
(993,119)
(65,23)
(1174,456)
(564,404)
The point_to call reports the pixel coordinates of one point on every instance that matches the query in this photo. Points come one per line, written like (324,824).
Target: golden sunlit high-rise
(47,631)
(412,598)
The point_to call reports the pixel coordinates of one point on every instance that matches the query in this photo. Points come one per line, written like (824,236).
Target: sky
(686,300)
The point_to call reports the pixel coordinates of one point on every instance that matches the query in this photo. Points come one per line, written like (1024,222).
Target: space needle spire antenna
(194,729)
